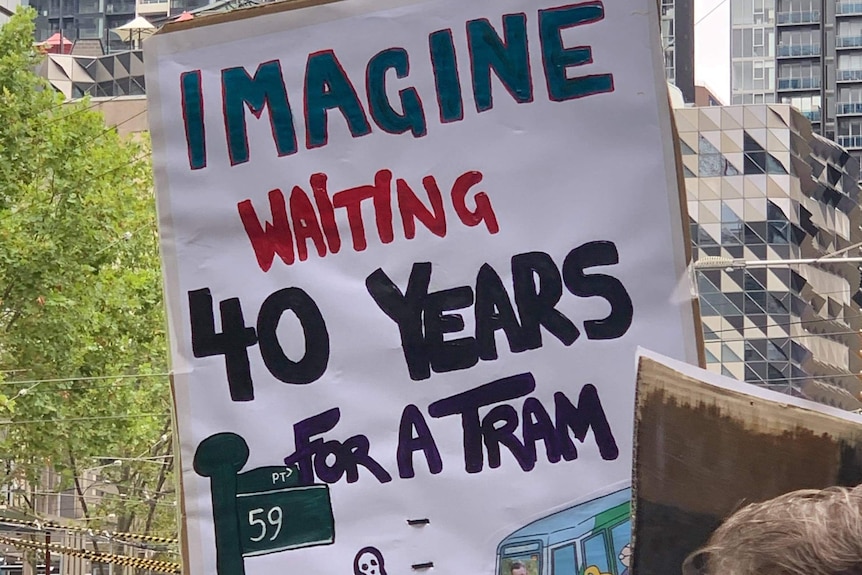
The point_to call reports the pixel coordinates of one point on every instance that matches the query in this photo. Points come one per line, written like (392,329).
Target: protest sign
(705,445)
(410,248)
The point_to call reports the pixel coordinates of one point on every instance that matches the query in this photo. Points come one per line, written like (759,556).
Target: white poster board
(410,250)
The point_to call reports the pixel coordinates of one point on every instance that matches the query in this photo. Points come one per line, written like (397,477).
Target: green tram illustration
(591,538)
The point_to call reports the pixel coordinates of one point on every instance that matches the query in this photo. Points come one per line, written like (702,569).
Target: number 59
(273,516)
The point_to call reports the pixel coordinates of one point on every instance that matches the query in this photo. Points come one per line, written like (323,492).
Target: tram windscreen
(521,559)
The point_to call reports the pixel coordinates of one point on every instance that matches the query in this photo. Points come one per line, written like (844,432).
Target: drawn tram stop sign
(260,511)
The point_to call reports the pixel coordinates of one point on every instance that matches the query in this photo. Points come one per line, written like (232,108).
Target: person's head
(518,568)
(807,532)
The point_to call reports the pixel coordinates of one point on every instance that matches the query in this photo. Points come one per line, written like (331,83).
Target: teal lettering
(446,80)
(509,59)
(327,87)
(556,59)
(193,118)
(412,117)
(264,90)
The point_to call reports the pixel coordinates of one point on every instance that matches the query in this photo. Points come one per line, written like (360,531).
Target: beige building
(762,187)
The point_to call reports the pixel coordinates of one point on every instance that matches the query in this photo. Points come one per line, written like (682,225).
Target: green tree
(80,301)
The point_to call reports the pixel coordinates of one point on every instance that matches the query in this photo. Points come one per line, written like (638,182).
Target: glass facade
(677,36)
(753,47)
(761,186)
(806,53)
(95,19)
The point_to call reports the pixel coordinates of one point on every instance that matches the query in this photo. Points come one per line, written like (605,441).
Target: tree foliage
(80,299)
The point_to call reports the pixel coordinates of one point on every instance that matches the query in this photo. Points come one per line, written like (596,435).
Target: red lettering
(317,220)
(413,209)
(271,239)
(380,193)
(305,224)
(483,212)
(327,213)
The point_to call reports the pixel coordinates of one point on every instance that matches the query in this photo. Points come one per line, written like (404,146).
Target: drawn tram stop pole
(261,511)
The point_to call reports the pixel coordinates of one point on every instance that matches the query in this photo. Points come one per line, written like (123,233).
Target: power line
(776,324)
(812,334)
(85,378)
(714,8)
(76,419)
(110,129)
(166,502)
(85,386)
(73,101)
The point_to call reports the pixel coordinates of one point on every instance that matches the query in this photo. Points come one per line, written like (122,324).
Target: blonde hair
(807,532)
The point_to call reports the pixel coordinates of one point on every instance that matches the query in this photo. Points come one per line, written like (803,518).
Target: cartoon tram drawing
(261,511)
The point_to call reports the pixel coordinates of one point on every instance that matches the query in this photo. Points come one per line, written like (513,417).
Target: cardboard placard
(410,249)
(706,445)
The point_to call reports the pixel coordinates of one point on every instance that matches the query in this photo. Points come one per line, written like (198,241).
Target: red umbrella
(184,16)
(57,44)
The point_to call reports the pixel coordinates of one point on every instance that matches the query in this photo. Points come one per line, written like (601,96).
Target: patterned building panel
(112,75)
(762,187)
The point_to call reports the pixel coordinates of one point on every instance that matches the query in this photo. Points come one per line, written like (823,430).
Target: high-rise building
(7,8)
(677,36)
(761,186)
(807,53)
(95,19)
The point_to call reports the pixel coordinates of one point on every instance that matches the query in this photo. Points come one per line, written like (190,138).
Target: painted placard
(410,249)
(707,445)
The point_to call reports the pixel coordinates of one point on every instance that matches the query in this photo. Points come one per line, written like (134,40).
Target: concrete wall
(127,113)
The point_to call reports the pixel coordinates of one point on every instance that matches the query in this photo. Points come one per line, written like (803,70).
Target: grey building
(762,186)
(94,20)
(677,36)
(7,8)
(807,53)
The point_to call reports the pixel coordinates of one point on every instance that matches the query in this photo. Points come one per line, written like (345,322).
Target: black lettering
(316,358)
(494,436)
(455,354)
(233,341)
(579,420)
(467,404)
(330,460)
(536,303)
(358,446)
(406,311)
(582,285)
(539,427)
(412,421)
(494,311)
(303,431)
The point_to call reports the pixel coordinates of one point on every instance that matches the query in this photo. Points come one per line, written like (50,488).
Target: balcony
(848,41)
(799,83)
(849,76)
(812,115)
(847,108)
(799,50)
(809,17)
(120,8)
(850,141)
(848,8)
(149,7)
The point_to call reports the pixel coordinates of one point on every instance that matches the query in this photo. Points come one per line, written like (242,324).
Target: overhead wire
(812,334)
(713,9)
(776,324)
(105,494)
(86,378)
(77,419)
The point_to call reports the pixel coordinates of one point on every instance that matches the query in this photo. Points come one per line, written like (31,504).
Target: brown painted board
(706,445)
